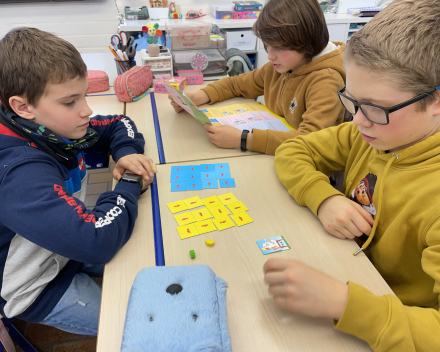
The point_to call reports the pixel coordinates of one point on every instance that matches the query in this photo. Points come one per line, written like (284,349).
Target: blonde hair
(30,59)
(403,41)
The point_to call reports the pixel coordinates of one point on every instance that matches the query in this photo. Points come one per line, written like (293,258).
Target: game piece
(175,207)
(219,211)
(207,168)
(237,207)
(210,184)
(187,231)
(226,182)
(273,244)
(242,219)
(223,223)
(201,214)
(185,218)
(193,202)
(227,198)
(223,174)
(192,254)
(210,243)
(180,177)
(194,185)
(179,186)
(205,226)
(211,202)
(222,167)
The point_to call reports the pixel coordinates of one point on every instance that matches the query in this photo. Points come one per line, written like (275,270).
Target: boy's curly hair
(30,59)
(293,25)
(403,42)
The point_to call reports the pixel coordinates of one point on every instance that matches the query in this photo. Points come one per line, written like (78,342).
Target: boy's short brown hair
(403,42)
(293,25)
(30,59)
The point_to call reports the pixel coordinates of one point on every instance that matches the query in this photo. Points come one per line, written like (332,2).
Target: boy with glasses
(390,202)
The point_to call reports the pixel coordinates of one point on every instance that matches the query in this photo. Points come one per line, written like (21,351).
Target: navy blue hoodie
(46,231)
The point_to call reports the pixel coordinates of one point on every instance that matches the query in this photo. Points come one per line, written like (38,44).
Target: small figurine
(192,14)
(153,32)
(158,3)
(172,7)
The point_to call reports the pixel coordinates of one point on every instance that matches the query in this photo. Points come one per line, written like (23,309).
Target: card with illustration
(273,244)
(185,103)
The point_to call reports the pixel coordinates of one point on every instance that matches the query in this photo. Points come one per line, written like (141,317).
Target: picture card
(273,244)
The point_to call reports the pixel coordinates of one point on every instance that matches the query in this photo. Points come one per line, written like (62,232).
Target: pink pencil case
(98,81)
(133,83)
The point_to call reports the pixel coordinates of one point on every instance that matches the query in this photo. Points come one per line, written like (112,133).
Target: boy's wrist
(201,97)
(249,141)
(339,304)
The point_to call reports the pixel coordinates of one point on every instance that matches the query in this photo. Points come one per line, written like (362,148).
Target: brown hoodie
(307,97)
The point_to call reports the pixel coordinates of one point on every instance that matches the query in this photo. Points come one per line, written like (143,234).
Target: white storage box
(222,9)
(158,12)
(242,39)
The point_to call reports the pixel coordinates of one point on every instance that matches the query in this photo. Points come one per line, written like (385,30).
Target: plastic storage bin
(160,65)
(192,35)
(216,61)
(242,39)
(222,10)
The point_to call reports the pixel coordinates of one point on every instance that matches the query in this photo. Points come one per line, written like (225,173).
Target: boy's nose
(359,119)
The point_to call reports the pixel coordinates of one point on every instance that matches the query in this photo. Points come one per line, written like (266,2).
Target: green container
(324,5)
(132,13)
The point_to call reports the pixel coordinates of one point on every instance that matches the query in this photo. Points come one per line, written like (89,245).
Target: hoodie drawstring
(379,208)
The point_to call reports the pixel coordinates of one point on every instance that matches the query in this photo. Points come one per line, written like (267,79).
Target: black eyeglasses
(375,113)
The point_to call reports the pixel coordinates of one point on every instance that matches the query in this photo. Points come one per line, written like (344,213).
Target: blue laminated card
(226,182)
(222,166)
(180,177)
(194,185)
(193,169)
(273,244)
(223,174)
(179,186)
(210,183)
(208,175)
(207,167)
(193,177)
(178,169)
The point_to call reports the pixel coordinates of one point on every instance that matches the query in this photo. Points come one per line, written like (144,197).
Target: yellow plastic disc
(210,243)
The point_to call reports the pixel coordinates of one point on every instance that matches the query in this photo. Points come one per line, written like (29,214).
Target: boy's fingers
(361,220)
(365,214)
(276,264)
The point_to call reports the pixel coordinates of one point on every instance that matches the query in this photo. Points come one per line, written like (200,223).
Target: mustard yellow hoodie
(402,191)
(306,97)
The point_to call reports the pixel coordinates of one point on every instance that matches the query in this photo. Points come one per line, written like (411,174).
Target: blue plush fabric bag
(177,309)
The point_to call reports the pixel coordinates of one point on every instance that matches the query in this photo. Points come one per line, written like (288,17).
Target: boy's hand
(200,97)
(138,164)
(304,290)
(224,136)
(344,218)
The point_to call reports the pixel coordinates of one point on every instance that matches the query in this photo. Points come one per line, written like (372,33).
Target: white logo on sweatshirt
(292,105)
(130,131)
(109,217)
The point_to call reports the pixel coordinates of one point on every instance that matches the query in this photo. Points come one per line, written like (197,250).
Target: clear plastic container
(222,9)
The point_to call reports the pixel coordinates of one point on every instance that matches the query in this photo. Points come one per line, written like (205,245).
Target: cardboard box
(245,15)
(178,82)
(190,36)
(158,85)
(192,76)
(247,6)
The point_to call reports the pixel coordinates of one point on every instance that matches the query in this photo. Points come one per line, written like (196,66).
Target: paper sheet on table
(184,102)
(247,116)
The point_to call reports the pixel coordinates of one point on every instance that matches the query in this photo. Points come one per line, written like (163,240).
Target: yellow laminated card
(175,207)
(193,202)
(187,231)
(237,207)
(242,219)
(219,211)
(205,226)
(227,198)
(185,218)
(201,214)
(223,223)
(211,202)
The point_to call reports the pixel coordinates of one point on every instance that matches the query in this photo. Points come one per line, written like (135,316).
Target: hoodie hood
(332,60)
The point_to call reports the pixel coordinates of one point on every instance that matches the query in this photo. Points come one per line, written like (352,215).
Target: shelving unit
(158,71)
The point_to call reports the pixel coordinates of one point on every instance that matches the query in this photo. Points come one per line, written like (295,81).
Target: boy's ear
(437,105)
(20,107)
